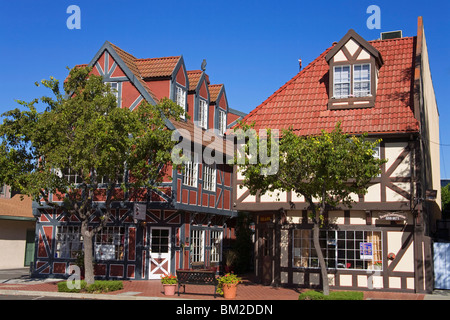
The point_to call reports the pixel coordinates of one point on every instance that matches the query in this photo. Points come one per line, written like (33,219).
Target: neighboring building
(187,222)
(17,229)
(384,88)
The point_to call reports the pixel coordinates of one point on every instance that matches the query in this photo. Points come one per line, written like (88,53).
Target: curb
(80,296)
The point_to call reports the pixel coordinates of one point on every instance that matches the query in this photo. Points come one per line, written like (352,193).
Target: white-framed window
(209,177)
(361,80)
(190,173)
(105,180)
(71,176)
(341,81)
(68,241)
(197,245)
(357,250)
(160,241)
(216,245)
(114,89)
(180,98)
(203,114)
(109,244)
(222,122)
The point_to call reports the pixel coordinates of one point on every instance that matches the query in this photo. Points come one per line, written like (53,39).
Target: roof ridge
(115,47)
(283,87)
(156,58)
(395,39)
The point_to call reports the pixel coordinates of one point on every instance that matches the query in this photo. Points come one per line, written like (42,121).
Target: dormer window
(354,65)
(351,84)
(180,98)
(361,80)
(203,114)
(222,122)
(341,82)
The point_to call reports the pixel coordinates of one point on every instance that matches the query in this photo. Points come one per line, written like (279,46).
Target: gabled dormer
(198,97)
(353,75)
(218,107)
(166,77)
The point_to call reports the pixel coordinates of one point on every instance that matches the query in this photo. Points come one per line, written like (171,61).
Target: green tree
(445,198)
(325,169)
(111,153)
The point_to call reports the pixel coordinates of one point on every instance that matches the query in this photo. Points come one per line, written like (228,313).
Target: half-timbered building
(188,221)
(382,88)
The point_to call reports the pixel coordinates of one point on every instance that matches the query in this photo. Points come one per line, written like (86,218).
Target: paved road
(11,274)
(17,297)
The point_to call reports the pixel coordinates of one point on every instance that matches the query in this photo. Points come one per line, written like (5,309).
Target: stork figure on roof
(203,66)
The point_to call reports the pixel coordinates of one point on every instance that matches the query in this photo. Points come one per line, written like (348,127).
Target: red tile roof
(302,101)
(157,67)
(194,77)
(214,90)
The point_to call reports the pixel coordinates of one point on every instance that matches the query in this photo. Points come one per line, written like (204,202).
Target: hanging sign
(393,217)
(139,211)
(265,218)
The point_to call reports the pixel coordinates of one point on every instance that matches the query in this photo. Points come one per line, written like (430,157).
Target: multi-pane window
(222,122)
(361,80)
(203,114)
(68,241)
(197,245)
(160,240)
(341,249)
(105,180)
(71,176)
(110,244)
(209,177)
(180,98)
(341,79)
(216,240)
(190,173)
(115,89)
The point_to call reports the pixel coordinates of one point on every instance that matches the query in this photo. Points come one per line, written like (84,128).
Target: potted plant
(228,285)
(378,265)
(169,283)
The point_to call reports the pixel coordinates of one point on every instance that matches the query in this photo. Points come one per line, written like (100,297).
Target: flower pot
(229,290)
(169,289)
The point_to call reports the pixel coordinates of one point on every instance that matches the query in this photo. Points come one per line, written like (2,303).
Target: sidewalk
(153,290)
(150,290)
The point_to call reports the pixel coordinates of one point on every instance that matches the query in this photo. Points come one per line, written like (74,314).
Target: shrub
(62,286)
(99,286)
(334,295)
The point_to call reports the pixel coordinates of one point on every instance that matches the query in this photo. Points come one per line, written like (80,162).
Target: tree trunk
(323,267)
(88,253)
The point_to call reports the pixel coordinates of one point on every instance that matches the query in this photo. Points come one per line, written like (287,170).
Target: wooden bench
(199,277)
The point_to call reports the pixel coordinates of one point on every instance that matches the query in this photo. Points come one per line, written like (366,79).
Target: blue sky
(252,47)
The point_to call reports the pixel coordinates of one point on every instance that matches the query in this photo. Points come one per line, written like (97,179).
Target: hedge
(99,286)
(334,295)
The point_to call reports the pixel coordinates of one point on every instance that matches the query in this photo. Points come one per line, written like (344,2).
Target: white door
(159,252)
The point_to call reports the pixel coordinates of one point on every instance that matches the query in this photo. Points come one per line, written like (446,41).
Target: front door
(29,247)
(266,254)
(159,252)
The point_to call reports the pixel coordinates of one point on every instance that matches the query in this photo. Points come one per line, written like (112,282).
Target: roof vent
(391,35)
